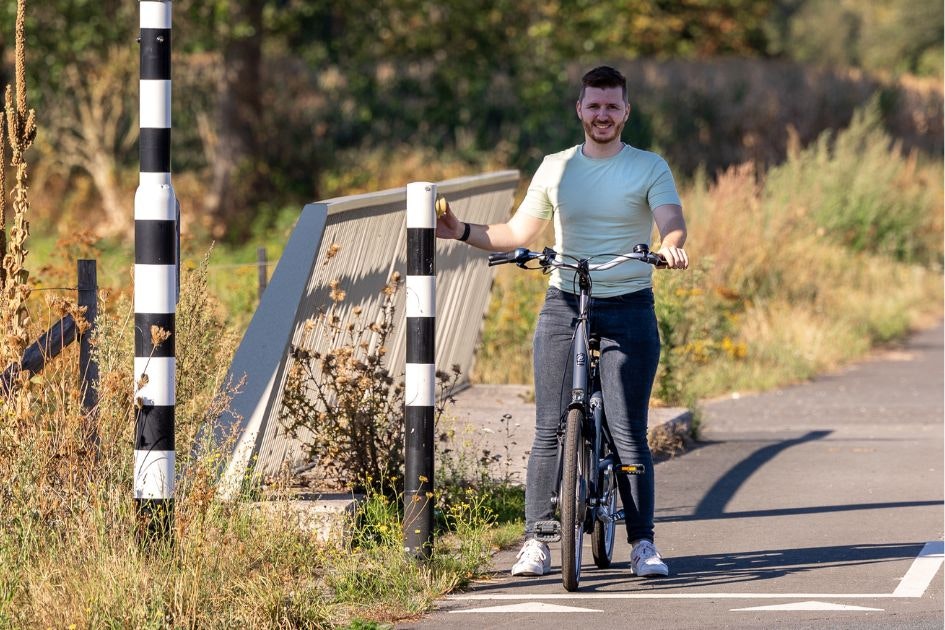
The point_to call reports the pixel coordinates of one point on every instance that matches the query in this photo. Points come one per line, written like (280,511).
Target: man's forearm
(674,238)
(494,237)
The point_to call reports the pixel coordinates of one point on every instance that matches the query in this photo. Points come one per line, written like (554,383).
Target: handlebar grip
(518,255)
(499,258)
(653,258)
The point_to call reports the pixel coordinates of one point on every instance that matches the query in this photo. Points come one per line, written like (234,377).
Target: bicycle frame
(586,395)
(581,354)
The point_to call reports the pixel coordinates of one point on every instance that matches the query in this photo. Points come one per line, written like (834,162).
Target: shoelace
(646,551)
(532,552)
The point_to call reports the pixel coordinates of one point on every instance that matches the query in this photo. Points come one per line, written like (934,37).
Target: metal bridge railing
(368,234)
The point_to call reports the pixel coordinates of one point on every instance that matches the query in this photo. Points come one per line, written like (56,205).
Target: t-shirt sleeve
(537,203)
(662,190)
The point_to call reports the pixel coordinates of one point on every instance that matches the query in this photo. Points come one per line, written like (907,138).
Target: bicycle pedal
(618,515)
(632,469)
(548,531)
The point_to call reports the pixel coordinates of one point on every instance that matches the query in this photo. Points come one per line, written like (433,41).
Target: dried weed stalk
(344,403)
(20,127)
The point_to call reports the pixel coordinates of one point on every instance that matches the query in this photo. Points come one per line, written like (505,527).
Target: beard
(603,135)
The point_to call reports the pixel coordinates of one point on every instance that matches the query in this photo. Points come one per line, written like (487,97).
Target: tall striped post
(420,386)
(155,293)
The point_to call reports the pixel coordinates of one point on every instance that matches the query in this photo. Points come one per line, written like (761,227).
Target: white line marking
(810,606)
(923,570)
(583,596)
(530,607)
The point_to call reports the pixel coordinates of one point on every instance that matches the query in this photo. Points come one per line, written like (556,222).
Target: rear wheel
(573,499)
(602,537)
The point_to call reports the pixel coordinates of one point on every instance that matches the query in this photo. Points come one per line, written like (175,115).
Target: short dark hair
(603,77)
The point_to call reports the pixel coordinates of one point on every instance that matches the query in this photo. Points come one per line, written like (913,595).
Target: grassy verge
(70,548)
(232,567)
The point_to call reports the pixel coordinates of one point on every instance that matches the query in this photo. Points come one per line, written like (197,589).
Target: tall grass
(796,270)
(70,554)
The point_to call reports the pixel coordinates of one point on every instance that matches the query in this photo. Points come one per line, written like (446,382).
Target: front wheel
(573,497)
(602,537)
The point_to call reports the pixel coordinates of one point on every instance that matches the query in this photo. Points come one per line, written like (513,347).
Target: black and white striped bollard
(420,386)
(155,293)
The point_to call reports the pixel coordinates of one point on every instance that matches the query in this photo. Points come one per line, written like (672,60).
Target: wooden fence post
(262,266)
(88,366)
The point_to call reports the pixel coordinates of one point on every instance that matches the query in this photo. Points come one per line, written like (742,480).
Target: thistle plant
(344,402)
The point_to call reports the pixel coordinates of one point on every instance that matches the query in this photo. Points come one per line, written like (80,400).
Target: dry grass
(668,441)
(70,548)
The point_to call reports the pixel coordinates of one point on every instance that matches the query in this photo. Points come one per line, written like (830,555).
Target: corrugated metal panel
(369,232)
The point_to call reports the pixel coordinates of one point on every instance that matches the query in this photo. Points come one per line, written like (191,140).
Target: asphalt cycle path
(814,506)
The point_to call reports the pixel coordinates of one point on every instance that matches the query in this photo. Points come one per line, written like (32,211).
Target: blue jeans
(629,355)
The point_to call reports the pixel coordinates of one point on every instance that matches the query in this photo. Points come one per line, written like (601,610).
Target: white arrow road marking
(530,607)
(809,606)
(922,571)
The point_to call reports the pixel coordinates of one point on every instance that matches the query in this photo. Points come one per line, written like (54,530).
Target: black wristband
(465,232)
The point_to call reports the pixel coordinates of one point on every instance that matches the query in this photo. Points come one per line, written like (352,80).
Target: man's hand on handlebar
(675,257)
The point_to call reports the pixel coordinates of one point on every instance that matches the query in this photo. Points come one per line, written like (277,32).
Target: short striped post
(155,293)
(420,386)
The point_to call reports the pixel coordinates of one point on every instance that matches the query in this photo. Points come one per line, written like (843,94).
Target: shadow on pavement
(714,570)
(817,509)
(717,497)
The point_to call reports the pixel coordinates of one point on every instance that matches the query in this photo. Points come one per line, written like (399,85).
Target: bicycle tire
(603,534)
(573,500)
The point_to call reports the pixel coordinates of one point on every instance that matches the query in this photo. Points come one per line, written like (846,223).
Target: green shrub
(863,193)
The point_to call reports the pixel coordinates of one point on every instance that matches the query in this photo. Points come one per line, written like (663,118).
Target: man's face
(603,113)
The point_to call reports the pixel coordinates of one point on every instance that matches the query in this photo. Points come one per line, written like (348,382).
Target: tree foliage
(881,36)
(268,93)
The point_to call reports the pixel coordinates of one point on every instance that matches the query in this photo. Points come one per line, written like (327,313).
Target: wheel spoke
(602,537)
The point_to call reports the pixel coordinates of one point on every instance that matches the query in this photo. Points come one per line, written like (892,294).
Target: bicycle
(587,463)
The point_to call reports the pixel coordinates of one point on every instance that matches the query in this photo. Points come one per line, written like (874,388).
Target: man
(603,197)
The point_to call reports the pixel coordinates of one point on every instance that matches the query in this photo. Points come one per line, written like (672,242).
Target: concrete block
(330,516)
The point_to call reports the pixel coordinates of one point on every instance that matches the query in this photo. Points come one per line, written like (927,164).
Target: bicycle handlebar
(549,258)
(519,256)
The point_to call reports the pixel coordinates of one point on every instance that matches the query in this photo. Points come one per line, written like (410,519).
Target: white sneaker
(646,561)
(533,559)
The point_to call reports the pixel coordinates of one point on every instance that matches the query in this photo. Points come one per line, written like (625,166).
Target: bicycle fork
(601,483)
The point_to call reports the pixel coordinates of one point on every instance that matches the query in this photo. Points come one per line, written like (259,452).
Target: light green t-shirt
(601,207)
